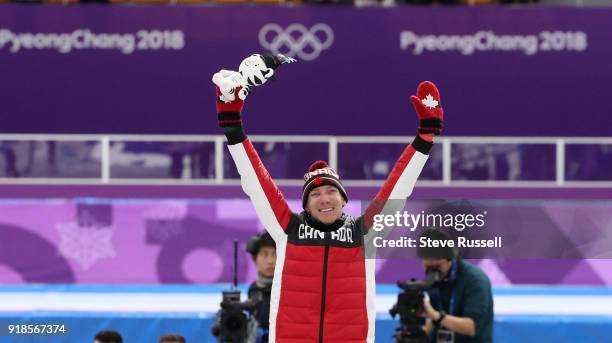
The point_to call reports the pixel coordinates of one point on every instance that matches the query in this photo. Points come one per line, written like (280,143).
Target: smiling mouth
(325,210)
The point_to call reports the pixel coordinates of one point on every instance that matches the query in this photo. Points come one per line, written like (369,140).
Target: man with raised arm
(323,287)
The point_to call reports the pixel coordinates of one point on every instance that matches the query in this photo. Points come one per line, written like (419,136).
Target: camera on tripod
(410,308)
(232,323)
(233,319)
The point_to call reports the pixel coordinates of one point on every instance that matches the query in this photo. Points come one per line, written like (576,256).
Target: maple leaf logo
(429,101)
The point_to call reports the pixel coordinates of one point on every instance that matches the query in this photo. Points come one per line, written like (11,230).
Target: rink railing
(105,142)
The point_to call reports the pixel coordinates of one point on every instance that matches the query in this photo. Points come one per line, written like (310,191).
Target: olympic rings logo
(296,40)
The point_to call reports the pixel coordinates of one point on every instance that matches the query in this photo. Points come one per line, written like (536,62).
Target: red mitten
(228,113)
(428,107)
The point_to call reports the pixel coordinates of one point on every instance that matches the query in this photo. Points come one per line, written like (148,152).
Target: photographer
(263,251)
(460,305)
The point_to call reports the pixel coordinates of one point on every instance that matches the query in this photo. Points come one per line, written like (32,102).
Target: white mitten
(228,81)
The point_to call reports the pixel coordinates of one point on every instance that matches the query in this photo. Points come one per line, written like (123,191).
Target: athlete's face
(265,261)
(325,204)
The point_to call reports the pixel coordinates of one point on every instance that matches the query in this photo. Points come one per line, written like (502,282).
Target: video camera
(410,308)
(233,319)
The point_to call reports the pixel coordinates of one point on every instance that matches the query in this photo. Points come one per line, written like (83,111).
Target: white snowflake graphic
(85,245)
(429,101)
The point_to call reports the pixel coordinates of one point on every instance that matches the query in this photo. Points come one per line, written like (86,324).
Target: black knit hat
(443,252)
(320,174)
(258,241)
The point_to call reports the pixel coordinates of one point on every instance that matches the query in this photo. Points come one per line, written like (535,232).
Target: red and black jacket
(323,288)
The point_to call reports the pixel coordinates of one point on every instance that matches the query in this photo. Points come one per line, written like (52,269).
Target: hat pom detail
(318,165)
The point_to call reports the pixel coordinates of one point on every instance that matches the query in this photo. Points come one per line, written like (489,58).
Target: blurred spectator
(473,162)
(465,2)
(172,339)
(29,154)
(51,157)
(588,162)
(507,162)
(337,2)
(276,158)
(519,1)
(108,336)
(10,159)
(190,159)
(427,2)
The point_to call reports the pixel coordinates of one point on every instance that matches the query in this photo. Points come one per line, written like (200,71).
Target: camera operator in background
(263,251)
(460,304)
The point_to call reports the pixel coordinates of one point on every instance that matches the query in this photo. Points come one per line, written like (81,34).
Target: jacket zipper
(327,236)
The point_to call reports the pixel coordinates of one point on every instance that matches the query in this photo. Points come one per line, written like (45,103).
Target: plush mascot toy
(254,70)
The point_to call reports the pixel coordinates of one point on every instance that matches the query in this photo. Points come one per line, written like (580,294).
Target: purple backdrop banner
(92,241)
(502,71)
